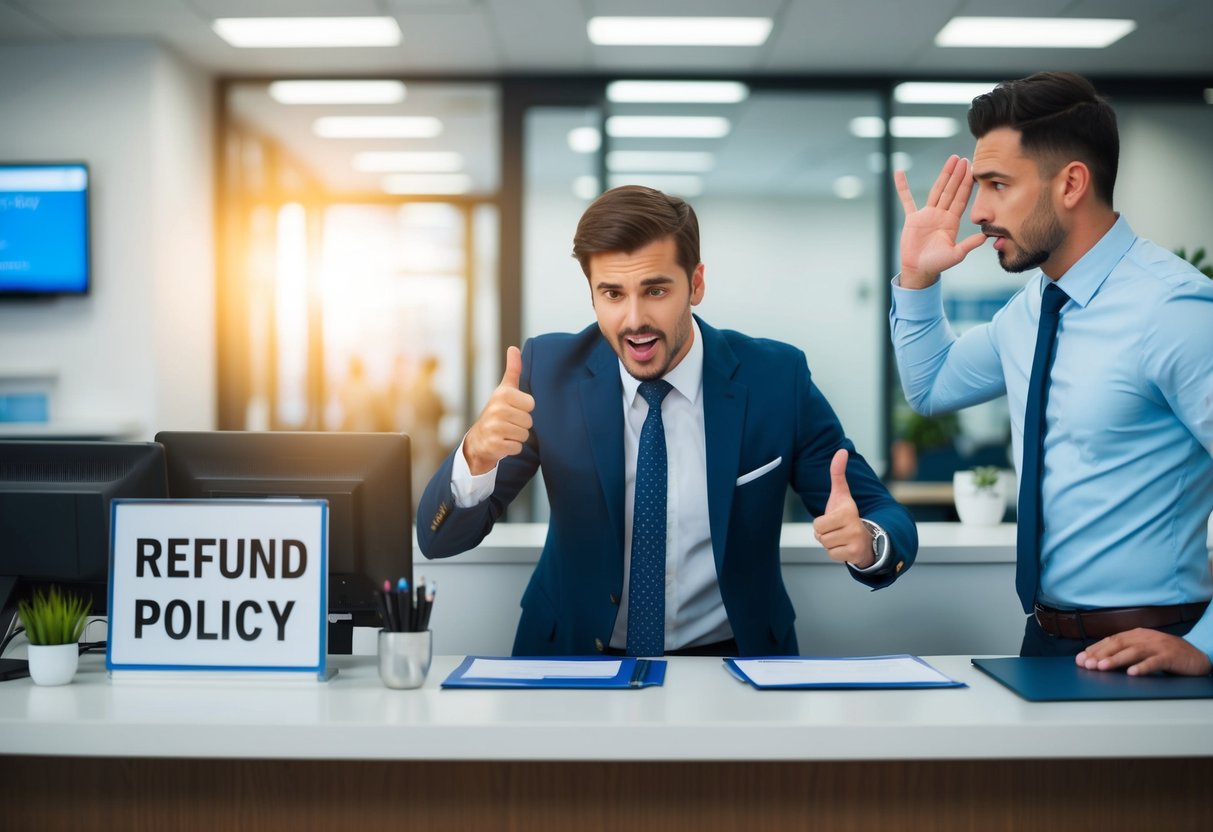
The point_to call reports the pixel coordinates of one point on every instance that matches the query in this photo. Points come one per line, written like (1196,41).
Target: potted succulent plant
(981,495)
(54,622)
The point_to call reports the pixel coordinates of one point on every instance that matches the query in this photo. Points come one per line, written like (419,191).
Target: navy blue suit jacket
(759,404)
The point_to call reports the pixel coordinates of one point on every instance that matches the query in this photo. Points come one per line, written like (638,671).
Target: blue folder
(633,673)
(1058,679)
(942,682)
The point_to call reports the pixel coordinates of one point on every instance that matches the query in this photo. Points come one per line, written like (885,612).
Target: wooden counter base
(1101,795)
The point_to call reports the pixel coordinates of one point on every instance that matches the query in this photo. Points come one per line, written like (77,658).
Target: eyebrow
(991,174)
(656,280)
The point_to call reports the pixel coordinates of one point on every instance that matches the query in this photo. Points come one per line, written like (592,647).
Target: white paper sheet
(539,669)
(884,670)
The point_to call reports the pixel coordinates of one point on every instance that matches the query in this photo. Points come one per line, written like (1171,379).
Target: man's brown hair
(629,218)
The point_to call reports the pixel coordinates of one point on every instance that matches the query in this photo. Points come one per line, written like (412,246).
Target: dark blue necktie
(646,580)
(1030,519)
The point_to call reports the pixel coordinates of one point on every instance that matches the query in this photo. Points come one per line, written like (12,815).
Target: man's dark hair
(1060,118)
(629,218)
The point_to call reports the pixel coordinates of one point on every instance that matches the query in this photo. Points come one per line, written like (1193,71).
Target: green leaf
(53,617)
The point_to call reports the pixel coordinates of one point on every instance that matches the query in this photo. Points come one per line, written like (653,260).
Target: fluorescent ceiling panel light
(688,186)
(1033,32)
(668,127)
(678,31)
(309,32)
(906,127)
(377,127)
(585,139)
(677,92)
(434,183)
(439,161)
(660,161)
(848,187)
(337,92)
(1209,95)
(929,92)
(586,187)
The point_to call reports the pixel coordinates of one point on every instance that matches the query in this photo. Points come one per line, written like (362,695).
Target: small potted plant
(54,622)
(980,495)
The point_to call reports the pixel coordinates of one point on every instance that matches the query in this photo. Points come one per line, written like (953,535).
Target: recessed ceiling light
(1033,32)
(848,187)
(431,183)
(1209,95)
(660,161)
(585,139)
(688,186)
(310,32)
(439,161)
(677,92)
(678,31)
(377,127)
(667,127)
(906,127)
(586,187)
(928,92)
(337,92)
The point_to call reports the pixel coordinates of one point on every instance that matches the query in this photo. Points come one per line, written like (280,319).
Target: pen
(419,609)
(403,615)
(639,672)
(391,621)
(429,605)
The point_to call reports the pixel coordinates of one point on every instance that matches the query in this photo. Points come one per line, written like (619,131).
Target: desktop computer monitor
(55,514)
(364,476)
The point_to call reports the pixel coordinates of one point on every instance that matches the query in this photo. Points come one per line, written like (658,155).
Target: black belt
(1092,624)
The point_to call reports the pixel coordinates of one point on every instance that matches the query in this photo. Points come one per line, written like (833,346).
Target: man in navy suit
(740,420)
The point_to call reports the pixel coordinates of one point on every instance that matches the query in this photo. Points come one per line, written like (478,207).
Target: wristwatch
(880,540)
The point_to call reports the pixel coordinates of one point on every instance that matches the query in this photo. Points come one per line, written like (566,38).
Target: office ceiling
(488,37)
(793,143)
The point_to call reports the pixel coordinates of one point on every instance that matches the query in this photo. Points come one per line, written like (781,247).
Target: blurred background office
(302,224)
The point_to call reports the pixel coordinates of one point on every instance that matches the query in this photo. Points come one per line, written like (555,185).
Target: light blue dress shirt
(1127,478)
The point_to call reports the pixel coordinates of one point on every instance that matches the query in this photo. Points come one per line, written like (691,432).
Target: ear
(697,286)
(1072,184)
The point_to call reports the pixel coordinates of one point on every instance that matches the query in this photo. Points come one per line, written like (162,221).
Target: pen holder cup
(404,658)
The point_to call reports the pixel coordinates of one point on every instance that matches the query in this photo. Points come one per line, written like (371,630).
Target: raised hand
(504,424)
(839,528)
(928,237)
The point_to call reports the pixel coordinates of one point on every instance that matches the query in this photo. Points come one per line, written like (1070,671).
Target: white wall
(140,348)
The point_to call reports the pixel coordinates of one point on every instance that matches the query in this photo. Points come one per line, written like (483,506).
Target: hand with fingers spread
(1145,651)
(504,424)
(928,237)
(839,528)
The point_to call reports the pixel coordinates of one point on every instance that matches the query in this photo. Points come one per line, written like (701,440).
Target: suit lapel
(602,409)
(724,407)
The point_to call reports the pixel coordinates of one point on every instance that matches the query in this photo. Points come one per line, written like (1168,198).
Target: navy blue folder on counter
(1058,679)
(632,673)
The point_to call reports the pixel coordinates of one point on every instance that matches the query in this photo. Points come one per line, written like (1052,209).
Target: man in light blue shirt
(1127,469)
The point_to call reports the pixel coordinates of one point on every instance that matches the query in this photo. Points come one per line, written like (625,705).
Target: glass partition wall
(372,280)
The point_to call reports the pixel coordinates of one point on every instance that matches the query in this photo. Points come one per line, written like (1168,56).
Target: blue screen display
(44,229)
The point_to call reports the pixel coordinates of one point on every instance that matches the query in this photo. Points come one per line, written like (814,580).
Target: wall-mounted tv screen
(44,229)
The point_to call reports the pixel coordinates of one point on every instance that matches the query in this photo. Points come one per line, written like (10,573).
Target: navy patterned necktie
(646,579)
(1030,517)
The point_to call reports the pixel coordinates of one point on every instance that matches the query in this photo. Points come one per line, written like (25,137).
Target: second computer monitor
(364,476)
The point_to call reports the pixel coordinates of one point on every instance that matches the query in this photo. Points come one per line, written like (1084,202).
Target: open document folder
(783,672)
(557,672)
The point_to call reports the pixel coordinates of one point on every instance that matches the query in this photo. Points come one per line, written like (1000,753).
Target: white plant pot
(981,506)
(53,664)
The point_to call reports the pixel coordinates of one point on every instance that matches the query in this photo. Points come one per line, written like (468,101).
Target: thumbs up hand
(504,424)
(839,528)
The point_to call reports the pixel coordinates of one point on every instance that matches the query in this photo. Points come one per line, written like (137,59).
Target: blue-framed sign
(222,585)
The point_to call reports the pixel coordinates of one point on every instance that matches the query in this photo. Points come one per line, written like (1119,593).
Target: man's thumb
(513,367)
(838,475)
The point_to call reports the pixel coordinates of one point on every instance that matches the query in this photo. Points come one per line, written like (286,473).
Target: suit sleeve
(445,529)
(819,436)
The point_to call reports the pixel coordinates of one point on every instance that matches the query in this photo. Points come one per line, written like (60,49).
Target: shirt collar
(1085,277)
(686,378)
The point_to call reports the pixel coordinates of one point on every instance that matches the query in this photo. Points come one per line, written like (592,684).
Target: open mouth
(641,347)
